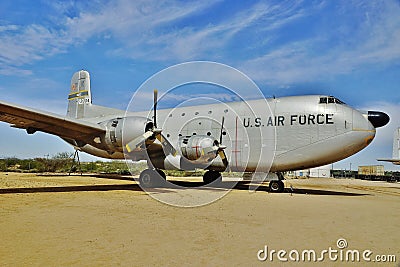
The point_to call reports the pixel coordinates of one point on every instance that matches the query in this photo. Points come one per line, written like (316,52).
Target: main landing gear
(211,176)
(152,178)
(156,178)
(276,186)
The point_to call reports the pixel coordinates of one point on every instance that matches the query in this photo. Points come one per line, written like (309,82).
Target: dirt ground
(110,221)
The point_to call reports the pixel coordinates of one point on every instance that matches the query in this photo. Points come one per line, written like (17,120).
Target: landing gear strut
(152,178)
(211,176)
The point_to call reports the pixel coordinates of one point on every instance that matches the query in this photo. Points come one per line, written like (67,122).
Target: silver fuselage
(290,133)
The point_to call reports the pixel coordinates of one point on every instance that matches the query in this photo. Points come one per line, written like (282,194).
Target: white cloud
(131,19)
(187,42)
(375,41)
(4,28)
(141,29)
(153,30)
(194,42)
(23,45)
(15,71)
(126,21)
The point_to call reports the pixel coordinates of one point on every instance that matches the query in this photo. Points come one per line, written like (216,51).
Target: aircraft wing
(394,161)
(36,120)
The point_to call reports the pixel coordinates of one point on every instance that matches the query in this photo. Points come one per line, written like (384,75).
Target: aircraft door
(343,119)
(236,154)
(348,118)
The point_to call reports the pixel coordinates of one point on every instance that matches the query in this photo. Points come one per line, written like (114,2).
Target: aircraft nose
(378,119)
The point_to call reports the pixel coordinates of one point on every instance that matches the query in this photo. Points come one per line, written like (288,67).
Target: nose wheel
(152,178)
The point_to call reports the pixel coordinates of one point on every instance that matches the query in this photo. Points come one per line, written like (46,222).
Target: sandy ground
(110,221)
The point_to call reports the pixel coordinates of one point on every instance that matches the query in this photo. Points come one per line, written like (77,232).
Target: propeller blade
(159,137)
(138,141)
(167,147)
(222,128)
(221,153)
(155,107)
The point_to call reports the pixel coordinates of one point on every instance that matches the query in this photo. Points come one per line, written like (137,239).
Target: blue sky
(350,49)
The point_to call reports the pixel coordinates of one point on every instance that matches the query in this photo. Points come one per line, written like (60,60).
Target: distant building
(375,170)
(322,172)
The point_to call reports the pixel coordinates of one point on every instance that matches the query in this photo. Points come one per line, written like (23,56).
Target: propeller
(219,147)
(153,133)
(155,97)
(222,128)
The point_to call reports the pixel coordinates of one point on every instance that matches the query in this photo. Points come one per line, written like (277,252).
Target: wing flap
(36,120)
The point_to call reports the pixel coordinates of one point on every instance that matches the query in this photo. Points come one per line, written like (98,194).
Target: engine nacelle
(123,130)
(200,148)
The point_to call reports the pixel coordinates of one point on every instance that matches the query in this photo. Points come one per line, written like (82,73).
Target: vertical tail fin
(79,97)
(396,144)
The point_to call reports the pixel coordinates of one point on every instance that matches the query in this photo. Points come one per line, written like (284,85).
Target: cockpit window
(339,101)
(330,100)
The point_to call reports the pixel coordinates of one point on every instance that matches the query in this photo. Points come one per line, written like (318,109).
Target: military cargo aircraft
(309,131)
(396,149)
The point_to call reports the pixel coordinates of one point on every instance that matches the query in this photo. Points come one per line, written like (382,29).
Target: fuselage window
(183,114)
(209,112)
(196,113)
(170,115)
(226,111)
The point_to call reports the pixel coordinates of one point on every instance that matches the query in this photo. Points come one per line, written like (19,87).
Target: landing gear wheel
(276,186)
(211,176)
(151,178)
(162,174)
